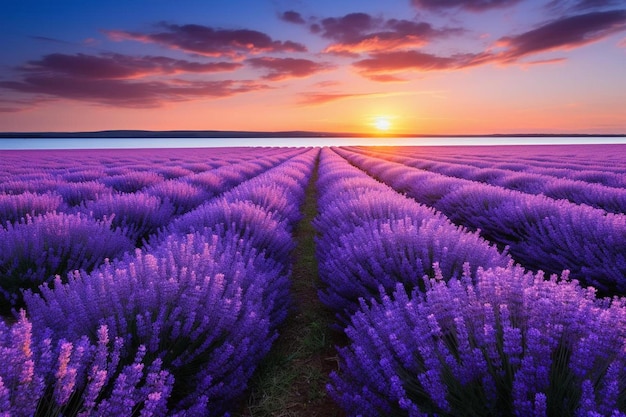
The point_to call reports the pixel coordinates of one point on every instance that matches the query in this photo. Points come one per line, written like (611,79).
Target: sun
(382,123)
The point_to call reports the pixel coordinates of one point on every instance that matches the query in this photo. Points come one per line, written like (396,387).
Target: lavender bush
(546,234)
(210,182)
(200,304)
(14,207)
(513,344)
(252,223)
(371,237)
(75,193)
(84,174)
(36,249)
(541,233)
(182,196)
(381,254)
(596,195)
(76,378)
(130,181)
(138,214)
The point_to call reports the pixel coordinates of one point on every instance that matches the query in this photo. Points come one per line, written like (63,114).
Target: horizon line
(214,134)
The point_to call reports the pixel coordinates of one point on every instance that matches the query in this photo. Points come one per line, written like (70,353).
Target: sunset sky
(393,66)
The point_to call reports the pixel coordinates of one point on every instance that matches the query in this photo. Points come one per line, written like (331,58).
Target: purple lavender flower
(37,378)
(541,233)
(371,237)
(512,343)
(130,181)
(201,305)
(14,207)
(34,251)
(139,214)
(183,196)
(75,193)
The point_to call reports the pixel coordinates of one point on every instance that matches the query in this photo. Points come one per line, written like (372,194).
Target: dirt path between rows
(292,379)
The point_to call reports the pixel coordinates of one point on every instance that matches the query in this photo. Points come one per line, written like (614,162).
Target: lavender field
(460,281)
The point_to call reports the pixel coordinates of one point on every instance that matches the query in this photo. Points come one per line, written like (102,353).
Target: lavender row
(372,238)
(541,233)
(198,308)
(505,342)
(31,186)
(142,213)
(89,165)
(35,249)
(601,164)
(32,252)
(595,195)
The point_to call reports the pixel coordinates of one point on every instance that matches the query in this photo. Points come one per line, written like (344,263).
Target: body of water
(134,143)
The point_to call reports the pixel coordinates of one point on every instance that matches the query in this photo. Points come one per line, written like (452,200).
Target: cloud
(128,93)
(292,17)
(348,28)
(121,80)
(208,41)
(582,5)
(563,34)
(119,66)
(51,40)
(470,5)
(545,61)
(381,66)
(284,68)
(386,78)
(15,105)
(315,99)
(357,33)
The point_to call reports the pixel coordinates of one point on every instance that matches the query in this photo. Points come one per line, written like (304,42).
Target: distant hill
(171,134)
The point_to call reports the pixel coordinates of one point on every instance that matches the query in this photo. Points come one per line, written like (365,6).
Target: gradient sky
(419,66)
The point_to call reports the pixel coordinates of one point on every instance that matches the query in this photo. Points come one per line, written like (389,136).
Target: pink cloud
(284,68)
(127,93)
(208,41)
(563,34)
(118,66)
(382,65)
(315,99)
(356,33)
(471,5)
(386,78)
(14,105)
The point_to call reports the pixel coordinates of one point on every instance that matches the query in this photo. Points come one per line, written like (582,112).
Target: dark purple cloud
(208,41)
(596,4)
(583,5)
(360,32)
(381,66)
(562,34)
(127,93)
(471,5)
(119,66)
(348,28)
(284,68)
(292,17)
